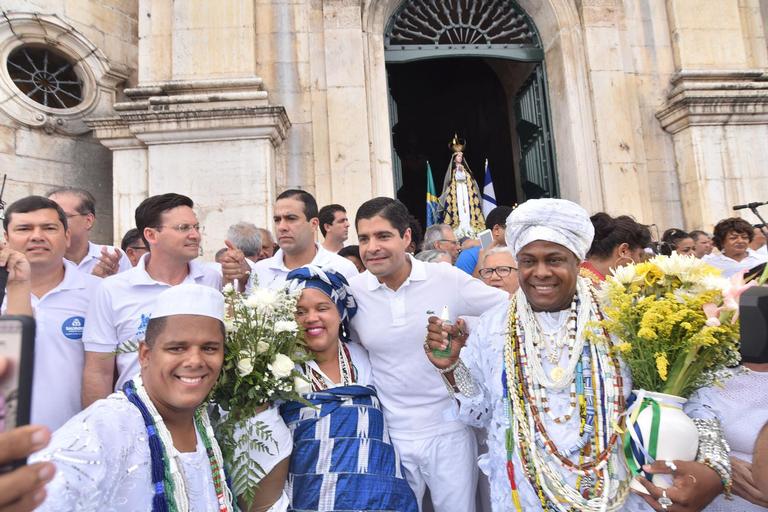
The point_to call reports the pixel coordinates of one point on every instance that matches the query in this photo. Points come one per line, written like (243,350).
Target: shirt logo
(72,327)
(143,326)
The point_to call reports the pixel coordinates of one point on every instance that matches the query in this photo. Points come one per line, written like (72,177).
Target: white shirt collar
(277,262)
(418,273)
(139,275)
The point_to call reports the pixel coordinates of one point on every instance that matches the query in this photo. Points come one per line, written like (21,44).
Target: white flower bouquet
(263,345)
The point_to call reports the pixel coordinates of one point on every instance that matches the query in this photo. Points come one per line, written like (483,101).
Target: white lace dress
(462,200)
(741,405)
(484,356)
(103,463)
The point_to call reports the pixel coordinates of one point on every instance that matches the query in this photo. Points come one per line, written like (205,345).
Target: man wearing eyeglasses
(80,208)
(442,238)
(499,269)
(133,246)
(119,313)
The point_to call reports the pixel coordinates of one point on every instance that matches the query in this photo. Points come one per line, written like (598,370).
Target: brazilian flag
(432,204)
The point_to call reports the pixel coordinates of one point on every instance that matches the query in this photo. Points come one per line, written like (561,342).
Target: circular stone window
(45,76)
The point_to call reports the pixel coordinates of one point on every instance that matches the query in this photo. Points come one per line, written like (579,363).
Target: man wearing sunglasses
(119,313)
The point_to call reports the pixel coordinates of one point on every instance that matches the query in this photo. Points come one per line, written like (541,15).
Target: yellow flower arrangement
(656,311)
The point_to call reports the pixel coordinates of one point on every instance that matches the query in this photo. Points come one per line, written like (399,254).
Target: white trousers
(447,464)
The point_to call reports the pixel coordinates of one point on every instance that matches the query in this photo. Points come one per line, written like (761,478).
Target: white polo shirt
(271,272)
(58,373)
(88,263)
(392,325)
(122,308)
(729,266)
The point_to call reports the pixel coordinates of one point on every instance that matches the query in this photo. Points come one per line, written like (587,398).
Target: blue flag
(489,195)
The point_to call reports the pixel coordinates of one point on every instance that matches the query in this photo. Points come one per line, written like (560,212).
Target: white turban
(552,220)
(189,299)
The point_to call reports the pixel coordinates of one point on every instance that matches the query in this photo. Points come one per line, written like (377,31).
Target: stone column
(350,179)
(717,108)
(200,122)
(619,143)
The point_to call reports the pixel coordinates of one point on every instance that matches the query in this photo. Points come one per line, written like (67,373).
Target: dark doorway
(435,99)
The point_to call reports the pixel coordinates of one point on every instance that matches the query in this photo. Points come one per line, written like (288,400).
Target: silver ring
(664,501)
(671,465)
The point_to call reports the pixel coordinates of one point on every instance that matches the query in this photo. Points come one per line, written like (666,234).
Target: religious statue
(460,198)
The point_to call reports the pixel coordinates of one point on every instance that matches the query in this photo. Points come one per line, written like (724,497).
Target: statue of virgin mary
(460,198)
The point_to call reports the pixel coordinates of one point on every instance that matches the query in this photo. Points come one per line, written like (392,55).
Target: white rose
(244,366)
(228,288)
(229,324)
(300,385)
(262,299)
(262,347)
(286,326)
(281,366)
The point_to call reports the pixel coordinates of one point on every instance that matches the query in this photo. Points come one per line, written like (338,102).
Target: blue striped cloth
(343,459)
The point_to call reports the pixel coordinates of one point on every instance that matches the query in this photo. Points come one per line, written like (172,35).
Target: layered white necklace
(180,494)
(536,340)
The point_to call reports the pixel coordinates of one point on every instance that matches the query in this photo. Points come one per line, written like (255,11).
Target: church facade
(657,109)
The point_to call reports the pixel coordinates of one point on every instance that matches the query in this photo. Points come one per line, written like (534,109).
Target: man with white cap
(549,398)
(150,446)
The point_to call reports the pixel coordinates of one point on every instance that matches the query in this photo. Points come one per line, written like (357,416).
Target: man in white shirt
(395,297)
(295,216)
(334,225)
(122,307)
(115,455)
(80,208)
(37,227)
(732,237)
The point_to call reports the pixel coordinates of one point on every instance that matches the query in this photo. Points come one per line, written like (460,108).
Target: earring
(629,261)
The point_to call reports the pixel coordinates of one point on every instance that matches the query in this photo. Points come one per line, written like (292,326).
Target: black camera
(753,315)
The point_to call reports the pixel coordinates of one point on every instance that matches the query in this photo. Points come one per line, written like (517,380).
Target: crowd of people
(503,402)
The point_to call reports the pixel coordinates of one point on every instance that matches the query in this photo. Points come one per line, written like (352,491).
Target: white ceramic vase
(678,438)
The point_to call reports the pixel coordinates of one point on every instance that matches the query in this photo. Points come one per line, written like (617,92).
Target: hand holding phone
(486,238)
(17,344)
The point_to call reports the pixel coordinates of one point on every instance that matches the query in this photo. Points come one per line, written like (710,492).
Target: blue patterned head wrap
(331,283)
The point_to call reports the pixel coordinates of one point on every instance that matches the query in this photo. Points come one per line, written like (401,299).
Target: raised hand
(234,266)
(109,262)
(437,339)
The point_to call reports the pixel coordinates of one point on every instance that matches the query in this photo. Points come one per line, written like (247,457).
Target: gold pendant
(556,374)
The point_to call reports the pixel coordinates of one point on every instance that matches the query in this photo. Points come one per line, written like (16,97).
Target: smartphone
(486,238)
(17,347)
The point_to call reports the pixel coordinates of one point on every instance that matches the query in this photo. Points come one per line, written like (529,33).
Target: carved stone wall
(657,106)
(45,146)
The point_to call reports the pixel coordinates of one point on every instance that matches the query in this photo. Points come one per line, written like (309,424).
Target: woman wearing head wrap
(341,448)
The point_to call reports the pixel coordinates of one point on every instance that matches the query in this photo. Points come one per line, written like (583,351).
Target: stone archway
(572,118)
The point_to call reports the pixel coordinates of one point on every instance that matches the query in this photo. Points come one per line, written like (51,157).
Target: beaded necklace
(170,493)
(346,369)
(600,406)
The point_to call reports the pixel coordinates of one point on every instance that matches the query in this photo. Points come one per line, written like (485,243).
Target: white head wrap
(551,220)
(189,299)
